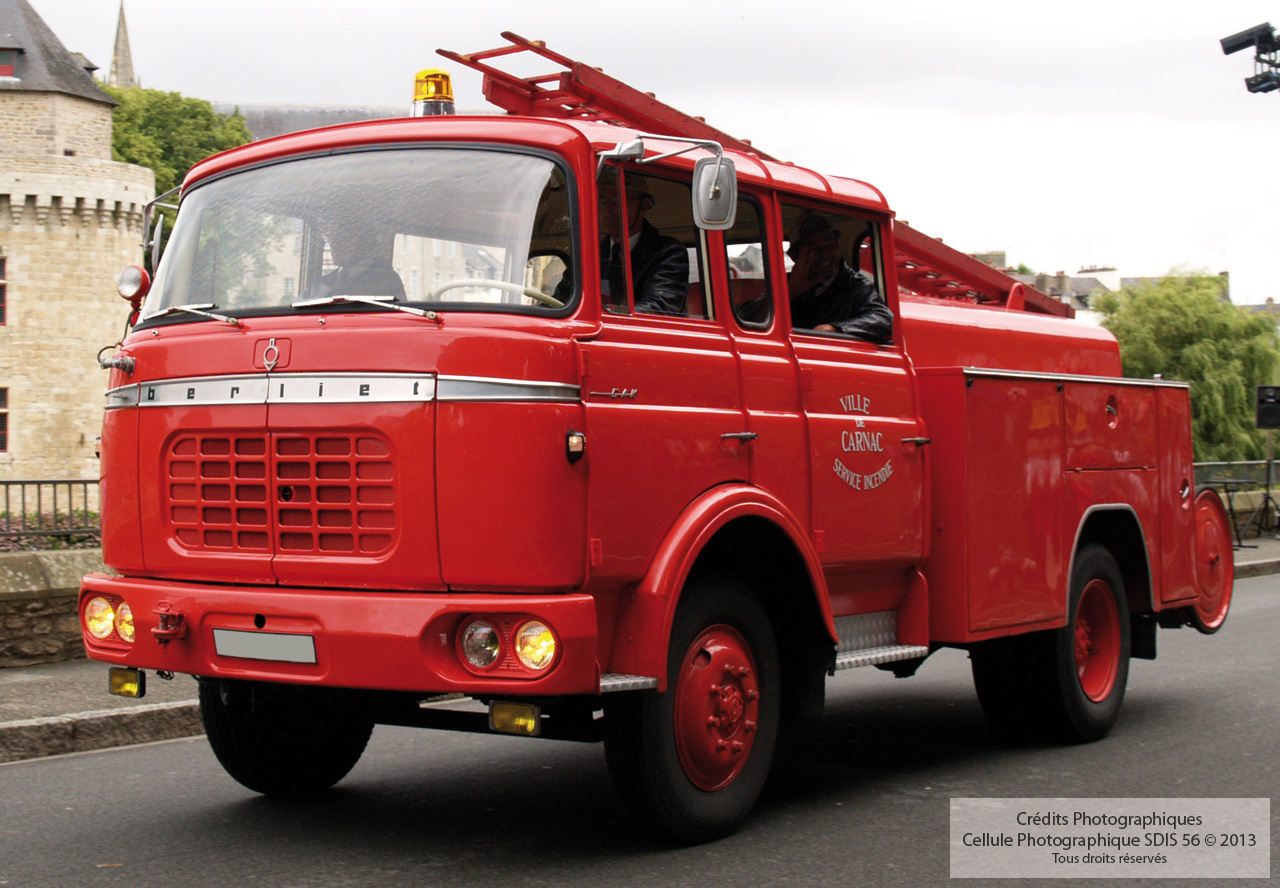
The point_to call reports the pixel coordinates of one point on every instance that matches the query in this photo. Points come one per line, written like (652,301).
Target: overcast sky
(1066,134)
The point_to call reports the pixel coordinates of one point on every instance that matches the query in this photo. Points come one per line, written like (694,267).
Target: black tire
(1066,684)
(675,781)
(1009,691)
(282,740)
(1084,708)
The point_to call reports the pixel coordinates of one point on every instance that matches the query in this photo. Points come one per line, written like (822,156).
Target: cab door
(660,392)
(768,372)
(865,436)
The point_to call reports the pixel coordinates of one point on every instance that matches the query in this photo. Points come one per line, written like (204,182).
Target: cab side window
(664,251)
(833,274)
(748,273)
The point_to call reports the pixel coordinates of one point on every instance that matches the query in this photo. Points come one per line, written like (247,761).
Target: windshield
(468,228)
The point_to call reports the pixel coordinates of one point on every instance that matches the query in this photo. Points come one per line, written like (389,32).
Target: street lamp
(1266,57)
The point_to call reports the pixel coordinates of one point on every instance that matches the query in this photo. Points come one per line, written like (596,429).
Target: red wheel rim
(1097,641)
(717,708)
(1215,567)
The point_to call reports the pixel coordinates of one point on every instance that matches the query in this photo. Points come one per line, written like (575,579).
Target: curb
(1247,569)
(98,729)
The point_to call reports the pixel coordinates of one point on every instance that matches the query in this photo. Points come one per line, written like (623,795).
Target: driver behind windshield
(364,267)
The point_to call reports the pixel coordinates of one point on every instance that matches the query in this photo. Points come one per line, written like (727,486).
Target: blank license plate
(264,646)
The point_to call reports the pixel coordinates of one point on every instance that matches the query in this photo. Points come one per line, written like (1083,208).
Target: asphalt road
(861,800)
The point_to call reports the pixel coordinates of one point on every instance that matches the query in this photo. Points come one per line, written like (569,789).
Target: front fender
(647,610)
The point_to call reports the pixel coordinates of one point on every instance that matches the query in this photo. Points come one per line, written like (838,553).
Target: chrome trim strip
(277,388)
(332,388)
(350,388)
(483,388)
(1067,377)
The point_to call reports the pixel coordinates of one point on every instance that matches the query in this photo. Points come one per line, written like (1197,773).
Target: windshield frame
(285,308)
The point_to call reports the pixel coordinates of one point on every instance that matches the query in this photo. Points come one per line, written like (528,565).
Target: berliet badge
(270,355)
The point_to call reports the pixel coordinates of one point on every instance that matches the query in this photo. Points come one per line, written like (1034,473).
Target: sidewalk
(64,707)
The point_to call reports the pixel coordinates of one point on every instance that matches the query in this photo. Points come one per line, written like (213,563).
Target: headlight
(99,617)
(124,622)
(480,643)
(535,645)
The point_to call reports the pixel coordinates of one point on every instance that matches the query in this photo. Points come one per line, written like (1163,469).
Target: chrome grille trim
(332,388)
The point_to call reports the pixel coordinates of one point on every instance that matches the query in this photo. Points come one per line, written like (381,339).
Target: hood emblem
(270,356)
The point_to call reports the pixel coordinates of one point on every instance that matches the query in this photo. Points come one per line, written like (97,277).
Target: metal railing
(1254,471)
(49,509)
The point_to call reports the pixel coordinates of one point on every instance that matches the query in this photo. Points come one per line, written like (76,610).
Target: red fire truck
(390,431)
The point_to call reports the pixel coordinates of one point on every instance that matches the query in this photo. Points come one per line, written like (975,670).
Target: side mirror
(155,242)
(715,193)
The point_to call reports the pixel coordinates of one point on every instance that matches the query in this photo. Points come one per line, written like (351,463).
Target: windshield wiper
(382,301)
(196,308)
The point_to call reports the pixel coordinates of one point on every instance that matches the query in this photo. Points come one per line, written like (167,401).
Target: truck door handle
(741,436)
(919,442)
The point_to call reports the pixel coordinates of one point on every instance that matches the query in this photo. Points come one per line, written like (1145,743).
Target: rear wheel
(1091,653)
(282,740)
(690,762)
(1063,684)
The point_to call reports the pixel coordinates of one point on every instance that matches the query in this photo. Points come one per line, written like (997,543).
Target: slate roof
(265,121)
(43,63)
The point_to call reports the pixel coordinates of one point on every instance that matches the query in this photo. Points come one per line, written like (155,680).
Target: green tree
(1181,328)
(169,132)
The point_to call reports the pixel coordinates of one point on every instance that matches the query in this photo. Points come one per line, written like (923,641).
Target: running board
(871,639)
(865,640)
(875,656)
(612,682)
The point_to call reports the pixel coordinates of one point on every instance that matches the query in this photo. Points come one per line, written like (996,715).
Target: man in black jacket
(659,264)
(827,296)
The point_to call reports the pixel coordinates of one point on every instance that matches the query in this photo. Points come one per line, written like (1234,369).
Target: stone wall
(38,596)
(41,123)
(68,225)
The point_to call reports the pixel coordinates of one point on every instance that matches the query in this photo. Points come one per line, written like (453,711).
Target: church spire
(121,59)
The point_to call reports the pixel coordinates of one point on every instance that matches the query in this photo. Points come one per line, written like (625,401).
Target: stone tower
(121,58)
(70,219)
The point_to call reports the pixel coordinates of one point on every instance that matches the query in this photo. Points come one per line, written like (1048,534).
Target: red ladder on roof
(926,266)
(584,93)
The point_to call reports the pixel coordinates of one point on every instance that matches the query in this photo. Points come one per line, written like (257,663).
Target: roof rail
(582,92)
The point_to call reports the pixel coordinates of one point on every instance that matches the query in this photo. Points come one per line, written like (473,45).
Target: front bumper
(392,641)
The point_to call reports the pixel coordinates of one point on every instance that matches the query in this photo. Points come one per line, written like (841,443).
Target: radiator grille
(329,493)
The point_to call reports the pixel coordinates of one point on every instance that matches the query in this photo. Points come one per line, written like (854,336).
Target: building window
(288,287)
(8,62)
(4,420)
(2,293)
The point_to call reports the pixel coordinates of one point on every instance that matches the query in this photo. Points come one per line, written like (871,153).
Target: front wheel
(690,762)
(282,740)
